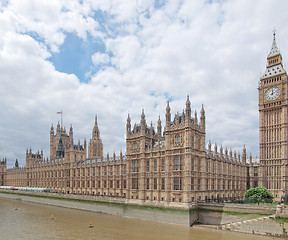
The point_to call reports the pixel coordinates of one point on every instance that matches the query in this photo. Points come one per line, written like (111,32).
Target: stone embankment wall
(203,213)
(218,214)
(112,206)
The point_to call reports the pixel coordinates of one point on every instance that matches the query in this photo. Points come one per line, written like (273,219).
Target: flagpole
(61,118)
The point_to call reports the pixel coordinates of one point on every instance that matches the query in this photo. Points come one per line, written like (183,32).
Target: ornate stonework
(273,107)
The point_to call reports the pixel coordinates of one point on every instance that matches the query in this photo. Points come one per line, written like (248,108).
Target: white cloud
(99,58)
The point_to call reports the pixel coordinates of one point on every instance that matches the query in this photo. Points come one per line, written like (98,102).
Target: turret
(151,129)
(128,126)
(143,123)
(195,117)
(16,163)
(58,127)
(188,110)
(202,118)
(159,128)
(221,151)
(226,152)
(244,155)
(168,116)
(209,147)
(71,131)
(52,130)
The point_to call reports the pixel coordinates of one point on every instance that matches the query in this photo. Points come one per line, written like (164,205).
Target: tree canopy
(258,194)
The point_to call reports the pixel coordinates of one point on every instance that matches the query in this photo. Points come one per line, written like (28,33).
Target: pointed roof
(274,49)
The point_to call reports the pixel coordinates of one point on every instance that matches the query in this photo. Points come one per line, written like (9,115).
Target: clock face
(272,93)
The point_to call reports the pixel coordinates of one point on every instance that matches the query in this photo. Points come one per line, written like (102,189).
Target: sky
(110,58)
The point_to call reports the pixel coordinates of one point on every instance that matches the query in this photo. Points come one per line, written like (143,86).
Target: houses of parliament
(168,166)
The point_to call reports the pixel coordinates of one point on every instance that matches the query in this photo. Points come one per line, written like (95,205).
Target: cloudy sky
(116,57)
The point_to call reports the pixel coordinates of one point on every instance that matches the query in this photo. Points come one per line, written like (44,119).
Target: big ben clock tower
(273,114)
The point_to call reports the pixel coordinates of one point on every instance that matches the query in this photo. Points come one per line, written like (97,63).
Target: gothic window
(148,166)
(118,170)
(111,171)
(147,183)
(177,163)
(198,184)
(155,165)
(192,142)
(111,183)
(155,183)
(255,172)
(124,184)
(99,171)
(163,165)
(163,184)
(134,183)
(177,139)
(135,166)
(105,171)
(177,183)
(192,184)
(192,164)
(135,146)
(105,183)
(118,184)
(125,170)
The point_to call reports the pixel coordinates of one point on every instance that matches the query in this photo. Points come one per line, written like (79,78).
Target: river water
(25,220)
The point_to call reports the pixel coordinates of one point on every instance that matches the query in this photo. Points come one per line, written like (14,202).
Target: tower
(273,116)
(95,145)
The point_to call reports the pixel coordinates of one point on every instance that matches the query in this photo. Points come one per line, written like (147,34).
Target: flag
(59,112)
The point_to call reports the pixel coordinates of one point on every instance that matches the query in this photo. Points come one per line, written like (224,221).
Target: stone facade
(160,167)
(273,113)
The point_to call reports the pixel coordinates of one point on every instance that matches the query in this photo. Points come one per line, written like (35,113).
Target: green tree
(258,194)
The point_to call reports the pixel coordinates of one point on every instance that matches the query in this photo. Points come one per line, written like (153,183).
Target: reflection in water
(37,221)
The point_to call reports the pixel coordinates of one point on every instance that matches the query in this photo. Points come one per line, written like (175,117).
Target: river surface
(25,220)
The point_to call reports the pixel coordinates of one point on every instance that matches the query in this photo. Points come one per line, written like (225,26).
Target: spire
(274,49)
(244,155)
(168,116)
(128,125)
(96,133)
(202,118)
(159,128)
(52,129)
(16,163)
(96,120)
(188,111)
(71,130)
